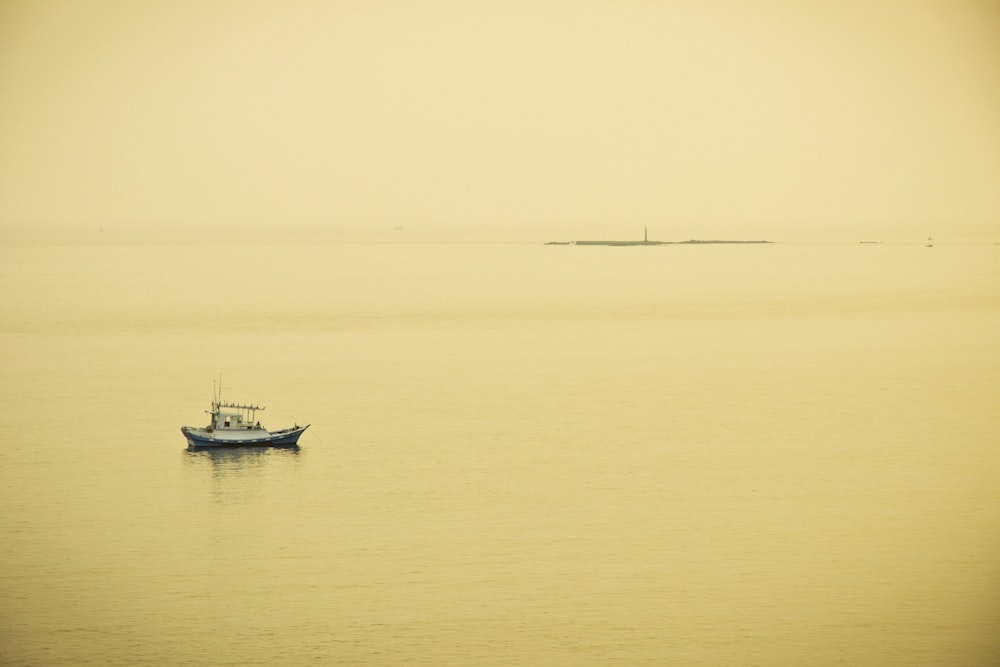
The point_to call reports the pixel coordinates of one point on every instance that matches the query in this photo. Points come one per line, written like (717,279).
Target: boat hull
(199,437)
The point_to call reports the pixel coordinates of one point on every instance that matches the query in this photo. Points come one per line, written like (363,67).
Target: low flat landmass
(629,243)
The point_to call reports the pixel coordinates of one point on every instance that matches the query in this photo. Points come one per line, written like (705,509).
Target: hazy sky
(697,118)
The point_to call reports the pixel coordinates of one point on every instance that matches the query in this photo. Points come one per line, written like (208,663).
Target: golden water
(519,454)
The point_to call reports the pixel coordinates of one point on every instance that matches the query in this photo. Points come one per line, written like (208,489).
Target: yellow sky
(697,118)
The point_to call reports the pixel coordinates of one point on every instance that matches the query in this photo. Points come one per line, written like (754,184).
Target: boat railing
(238,406)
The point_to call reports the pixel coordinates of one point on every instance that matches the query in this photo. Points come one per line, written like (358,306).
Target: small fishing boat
(236,425)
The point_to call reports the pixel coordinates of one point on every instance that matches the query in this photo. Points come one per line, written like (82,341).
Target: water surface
(519,454)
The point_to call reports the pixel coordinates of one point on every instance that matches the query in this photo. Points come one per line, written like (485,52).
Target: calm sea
(519,455)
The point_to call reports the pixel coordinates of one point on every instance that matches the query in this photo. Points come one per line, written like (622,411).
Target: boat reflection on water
(235,476)
(225,460)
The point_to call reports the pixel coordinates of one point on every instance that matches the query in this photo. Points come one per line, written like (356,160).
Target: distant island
(646,241)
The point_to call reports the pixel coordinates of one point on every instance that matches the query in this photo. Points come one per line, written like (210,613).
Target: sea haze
(519,454)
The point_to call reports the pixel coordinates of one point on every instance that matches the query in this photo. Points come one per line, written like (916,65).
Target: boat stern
(193,438)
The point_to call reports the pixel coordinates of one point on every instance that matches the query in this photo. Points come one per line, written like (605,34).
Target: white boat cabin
(236,418)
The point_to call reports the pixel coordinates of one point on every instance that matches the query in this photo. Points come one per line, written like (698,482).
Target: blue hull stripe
(290,438)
